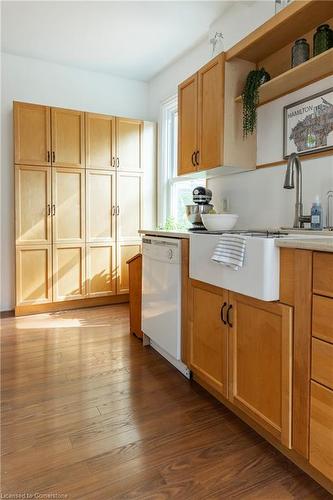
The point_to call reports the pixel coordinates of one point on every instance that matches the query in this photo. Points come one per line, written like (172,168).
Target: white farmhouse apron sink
(259,276)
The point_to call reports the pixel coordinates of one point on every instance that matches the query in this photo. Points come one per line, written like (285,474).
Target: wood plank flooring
(87,412)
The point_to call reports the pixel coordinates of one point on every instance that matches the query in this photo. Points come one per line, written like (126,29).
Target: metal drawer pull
(48,209)
(193,155)
(53,209)
(228,311)
(222,313)
(48,157)
(197,158)
(118,210)
(117,162)
(53,156)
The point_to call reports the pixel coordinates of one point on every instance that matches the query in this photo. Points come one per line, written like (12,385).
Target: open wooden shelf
(283,28)
(311,71)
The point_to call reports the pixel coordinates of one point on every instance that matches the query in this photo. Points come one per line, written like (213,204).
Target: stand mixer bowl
(193,213)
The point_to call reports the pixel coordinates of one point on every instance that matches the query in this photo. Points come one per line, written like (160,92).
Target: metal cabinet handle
(113,210)
(53,156)
(53,209)
(193,155)
(228,319)
(197,158)
(118,210)
(117,162)
(113,164)
(48,157)
(222,313)
(48,209)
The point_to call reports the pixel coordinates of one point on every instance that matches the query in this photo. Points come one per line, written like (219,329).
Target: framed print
(308,124)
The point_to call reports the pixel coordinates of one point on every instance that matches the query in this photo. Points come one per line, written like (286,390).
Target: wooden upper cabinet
(32,205)
(261,363)
(100,141)
(32,134)
(209,336)
(67,138)
(211,113)
(100,203)
(68,205)
(129,144)
(187,125)
(129,196)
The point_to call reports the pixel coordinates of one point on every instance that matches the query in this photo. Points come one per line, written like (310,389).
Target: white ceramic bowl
(219,222)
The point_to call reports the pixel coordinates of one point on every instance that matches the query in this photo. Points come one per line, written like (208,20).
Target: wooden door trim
(112,174)
(110,118)
(113,291)
(219,60)
(81,172)
(26,161)
(41,168)
(54,137)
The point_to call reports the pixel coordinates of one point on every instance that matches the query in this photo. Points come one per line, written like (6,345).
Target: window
(173,192)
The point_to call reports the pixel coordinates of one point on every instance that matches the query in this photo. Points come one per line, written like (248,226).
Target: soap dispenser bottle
(316,214)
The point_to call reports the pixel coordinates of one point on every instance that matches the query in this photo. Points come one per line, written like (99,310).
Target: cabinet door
(32,134)
(125,251)
(33,275)
(129,196)
(101,269)
(100,141)
(260,363)
(129,144)
(100,205)
(321,429)
(187,125)
(211,113)
(32,205)
(68,205)
(209,336)
(68,272)
(67,138)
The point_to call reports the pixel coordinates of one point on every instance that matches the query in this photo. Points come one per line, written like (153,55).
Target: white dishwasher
(161,297)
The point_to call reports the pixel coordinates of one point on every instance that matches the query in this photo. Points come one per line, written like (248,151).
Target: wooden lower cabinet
(68,272)
(321,429)
(101,269)
(260,358)
(209,336)
(125,251)
(33,274)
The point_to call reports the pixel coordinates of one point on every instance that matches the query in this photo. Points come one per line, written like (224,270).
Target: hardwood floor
(91,414)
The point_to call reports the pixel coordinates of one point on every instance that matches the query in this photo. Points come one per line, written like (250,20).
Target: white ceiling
(129,39)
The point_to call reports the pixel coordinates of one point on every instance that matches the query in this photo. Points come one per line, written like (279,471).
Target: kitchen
(243,337)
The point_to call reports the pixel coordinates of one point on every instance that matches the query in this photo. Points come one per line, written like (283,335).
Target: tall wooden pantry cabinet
(81,182)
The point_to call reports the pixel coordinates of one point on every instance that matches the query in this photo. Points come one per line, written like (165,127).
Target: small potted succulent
(250,99)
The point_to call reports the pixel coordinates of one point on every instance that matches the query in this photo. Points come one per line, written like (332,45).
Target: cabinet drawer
(323,273)
(321,429)
(322,318)
(322,362)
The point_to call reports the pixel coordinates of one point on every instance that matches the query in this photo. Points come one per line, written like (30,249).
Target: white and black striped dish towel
(230,251)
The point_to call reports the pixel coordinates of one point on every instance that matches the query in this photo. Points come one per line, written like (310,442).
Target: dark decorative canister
(322,39)
(300,52)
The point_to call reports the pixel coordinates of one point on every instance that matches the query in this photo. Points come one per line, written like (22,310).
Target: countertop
(166,232)
(319,241)
(319,244)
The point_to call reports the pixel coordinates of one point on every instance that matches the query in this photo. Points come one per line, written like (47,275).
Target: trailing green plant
(250,99)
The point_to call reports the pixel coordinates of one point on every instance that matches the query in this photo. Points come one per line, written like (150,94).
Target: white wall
(31,80)
(258,196)
(235,23)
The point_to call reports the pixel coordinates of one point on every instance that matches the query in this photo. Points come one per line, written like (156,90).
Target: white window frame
(168,108)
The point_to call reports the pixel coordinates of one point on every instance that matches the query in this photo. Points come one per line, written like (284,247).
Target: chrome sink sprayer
(294,163)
